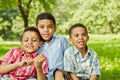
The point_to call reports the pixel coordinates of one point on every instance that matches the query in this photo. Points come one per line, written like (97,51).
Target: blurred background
(101,17)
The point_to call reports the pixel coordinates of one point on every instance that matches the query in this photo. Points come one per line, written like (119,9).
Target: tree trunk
(24,12)
(111,27)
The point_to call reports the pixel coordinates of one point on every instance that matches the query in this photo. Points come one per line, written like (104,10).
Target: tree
(100,16)
(25,9)
(25,6)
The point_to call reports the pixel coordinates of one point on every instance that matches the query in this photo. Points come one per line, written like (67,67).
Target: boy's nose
(46,29)
(81,36)
(30,41)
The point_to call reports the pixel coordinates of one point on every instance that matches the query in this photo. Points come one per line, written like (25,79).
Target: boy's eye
(25,40)
(34,40)
(41,26)
(83,34)
(76,35)
(50,26)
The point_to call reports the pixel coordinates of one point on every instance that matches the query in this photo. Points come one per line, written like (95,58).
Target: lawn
(107,47)
(6,46)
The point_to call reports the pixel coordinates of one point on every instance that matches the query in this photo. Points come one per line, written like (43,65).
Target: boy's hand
(38,61)
(26,62)
(94,77)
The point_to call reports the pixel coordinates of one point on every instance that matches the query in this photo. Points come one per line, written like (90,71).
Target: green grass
(107,48)
(6,46)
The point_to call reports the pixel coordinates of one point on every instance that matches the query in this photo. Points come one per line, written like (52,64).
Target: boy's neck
(83,51)
(48,41)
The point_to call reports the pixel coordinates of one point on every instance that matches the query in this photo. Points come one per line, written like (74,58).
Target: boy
(24,63)
(80,61)
(53,46)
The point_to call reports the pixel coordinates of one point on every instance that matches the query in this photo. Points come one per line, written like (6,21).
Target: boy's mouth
(45,35)
(81,42)
(30,47)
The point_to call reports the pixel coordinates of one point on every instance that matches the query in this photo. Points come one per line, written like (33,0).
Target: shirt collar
(53,38)
(76,51)
(32,55)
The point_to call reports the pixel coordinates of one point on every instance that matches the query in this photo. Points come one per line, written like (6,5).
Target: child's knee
(58,72)
(58,75)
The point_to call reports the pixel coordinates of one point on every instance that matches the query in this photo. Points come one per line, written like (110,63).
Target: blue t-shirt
(54,51)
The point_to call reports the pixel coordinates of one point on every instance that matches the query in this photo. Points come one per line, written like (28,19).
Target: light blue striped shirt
(54,51)
(82,67)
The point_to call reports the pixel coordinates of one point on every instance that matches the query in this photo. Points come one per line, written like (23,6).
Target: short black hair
(34,29)
(45,15)
(76,25)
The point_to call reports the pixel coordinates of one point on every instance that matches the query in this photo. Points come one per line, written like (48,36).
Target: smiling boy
(80,61)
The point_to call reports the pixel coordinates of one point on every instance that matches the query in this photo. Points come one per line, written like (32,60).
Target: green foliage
(38,6)
(8,4)
(6,22)
(11,20)
(99,16)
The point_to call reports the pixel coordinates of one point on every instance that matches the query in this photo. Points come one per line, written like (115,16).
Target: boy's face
(79,37)
(30,42)
(46,28)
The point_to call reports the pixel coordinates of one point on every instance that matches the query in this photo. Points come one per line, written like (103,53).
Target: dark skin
(47,28)
(79,38)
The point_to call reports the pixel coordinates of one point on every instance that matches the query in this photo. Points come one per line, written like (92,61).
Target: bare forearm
(38,61)
(5,68)
(40,74)
(73,76)
(94,77)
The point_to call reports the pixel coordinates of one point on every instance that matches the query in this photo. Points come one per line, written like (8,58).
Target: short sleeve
(68,63)
(65,43)
(11,55)
(95,66)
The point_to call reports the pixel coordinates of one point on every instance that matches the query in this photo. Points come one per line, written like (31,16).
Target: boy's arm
(40,74)
(38,61)
(94,77)
(95,68)
(68,64)
(5,67)
(73,76)
(7,63)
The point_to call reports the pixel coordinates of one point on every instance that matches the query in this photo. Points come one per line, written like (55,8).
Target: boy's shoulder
(59,36)
(92,52)
(16,49)
(71,49)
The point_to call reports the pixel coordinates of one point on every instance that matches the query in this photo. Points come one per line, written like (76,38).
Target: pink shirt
(21,73)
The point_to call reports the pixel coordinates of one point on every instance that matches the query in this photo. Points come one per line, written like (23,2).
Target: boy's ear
(88,37)
(70,40)
(55,28)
